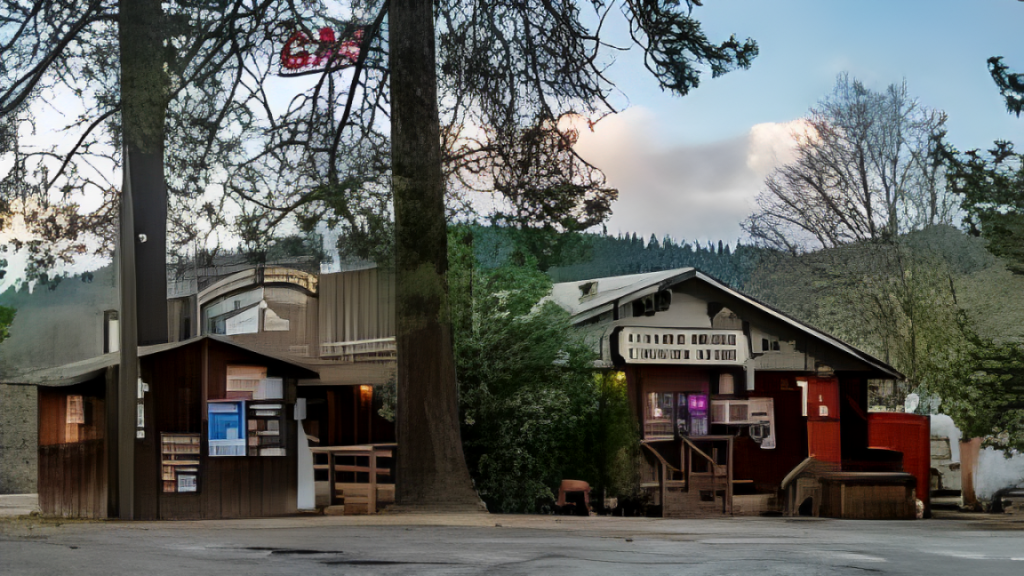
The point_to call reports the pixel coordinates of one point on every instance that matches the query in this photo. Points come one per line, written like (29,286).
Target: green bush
(534,409)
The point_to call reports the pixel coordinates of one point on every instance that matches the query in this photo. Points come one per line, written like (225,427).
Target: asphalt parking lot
(392,544)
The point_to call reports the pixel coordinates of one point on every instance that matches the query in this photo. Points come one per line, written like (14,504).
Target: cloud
(691,192)
(772,144)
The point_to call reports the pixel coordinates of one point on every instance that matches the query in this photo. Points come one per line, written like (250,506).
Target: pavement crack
(384,562)
(858,568)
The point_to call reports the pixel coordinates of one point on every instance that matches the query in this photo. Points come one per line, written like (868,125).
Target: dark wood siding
(72,472)
(767,468)
(229,486)
(73,458)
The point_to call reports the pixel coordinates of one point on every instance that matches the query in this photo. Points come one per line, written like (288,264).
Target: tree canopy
(1011,84)
(533,409)
(991,187)
(488,82)
(864,171)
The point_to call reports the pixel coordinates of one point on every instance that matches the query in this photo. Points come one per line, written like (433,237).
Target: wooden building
(216,434)
(732,396)
(326,341)
(342,325)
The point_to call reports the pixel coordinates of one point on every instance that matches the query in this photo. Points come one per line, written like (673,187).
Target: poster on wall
(227,433)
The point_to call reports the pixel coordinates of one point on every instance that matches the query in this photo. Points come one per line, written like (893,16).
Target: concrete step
(946,503)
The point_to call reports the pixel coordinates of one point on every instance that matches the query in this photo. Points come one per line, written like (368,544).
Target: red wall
(911,435)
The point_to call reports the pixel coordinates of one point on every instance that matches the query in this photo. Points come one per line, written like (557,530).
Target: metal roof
(615,291)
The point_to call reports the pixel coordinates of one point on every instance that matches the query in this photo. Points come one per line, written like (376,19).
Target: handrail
(660,457)
(699,451)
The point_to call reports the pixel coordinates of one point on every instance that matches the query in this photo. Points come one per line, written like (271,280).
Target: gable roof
(85,370)
(616,291)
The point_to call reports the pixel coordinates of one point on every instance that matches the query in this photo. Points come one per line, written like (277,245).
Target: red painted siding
(911,435)
(823,441)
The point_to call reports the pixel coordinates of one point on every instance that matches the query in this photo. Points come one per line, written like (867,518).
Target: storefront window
(668,415)
(697,408)
(659,415)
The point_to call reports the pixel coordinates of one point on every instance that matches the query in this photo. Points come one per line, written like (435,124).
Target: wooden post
(371,505)
(728,479)
(111,408)
(332,483)
(664,491)
(127,389)
(969,451)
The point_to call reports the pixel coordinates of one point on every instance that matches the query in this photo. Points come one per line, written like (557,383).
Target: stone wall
(17,439)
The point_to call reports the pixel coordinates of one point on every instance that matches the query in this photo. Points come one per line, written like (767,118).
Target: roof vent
(587,290)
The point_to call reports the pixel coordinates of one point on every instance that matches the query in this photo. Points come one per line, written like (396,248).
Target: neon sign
(295,56)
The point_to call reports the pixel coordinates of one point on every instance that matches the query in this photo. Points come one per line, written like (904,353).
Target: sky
(690,167)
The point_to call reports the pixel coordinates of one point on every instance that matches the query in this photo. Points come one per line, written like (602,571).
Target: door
(823,433)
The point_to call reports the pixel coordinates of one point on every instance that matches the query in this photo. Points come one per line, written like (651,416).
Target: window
(658,416)
(669,414)
(76,410)
(111,332)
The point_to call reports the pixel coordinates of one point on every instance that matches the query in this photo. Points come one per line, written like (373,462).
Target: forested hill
(571,257)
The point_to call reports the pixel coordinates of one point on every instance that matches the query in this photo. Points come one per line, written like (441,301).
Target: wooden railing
(360,350)
(354,495)
(719,473)
(666,474)
(718,477)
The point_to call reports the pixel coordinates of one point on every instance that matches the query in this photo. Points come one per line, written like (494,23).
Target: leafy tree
(172,84)
(898,300)
(534,411)
(985,398)
(991,187)
(514,65)
(309,245)
(863,171)
(6,319)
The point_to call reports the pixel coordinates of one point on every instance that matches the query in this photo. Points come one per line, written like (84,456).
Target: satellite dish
(911,403)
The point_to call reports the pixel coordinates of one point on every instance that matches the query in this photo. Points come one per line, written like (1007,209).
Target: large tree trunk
(142,268)
(432,470)
(144,94)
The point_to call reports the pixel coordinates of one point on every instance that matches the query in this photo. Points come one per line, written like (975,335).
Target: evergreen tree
(991,188)
(1011,85)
